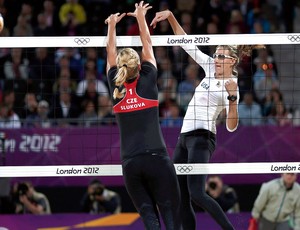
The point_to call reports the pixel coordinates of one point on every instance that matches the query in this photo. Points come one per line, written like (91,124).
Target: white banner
(158,40)
(181,169)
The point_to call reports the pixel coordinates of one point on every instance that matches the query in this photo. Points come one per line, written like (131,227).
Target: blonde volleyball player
(150,177)
(197,140)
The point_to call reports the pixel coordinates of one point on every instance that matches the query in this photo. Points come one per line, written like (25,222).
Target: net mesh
(39,73)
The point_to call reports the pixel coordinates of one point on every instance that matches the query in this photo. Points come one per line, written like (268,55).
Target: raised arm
(201,58)
(167,14)
(147,49)
(111,47)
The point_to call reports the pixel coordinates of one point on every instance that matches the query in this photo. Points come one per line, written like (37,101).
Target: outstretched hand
(114,18)
(140,9)
(160,16)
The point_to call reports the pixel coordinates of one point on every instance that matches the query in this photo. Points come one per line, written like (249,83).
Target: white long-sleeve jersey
(210,96)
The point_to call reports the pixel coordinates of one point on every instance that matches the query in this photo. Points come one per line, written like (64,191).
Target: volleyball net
(84,148)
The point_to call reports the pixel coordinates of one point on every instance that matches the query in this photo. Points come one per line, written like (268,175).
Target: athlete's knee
(170,212)
(167,211)
(149,217)
(199,196)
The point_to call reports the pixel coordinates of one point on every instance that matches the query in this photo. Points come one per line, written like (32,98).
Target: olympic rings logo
(82,41)
(294,38)
(184,168)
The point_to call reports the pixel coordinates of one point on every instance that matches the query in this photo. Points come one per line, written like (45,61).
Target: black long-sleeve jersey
(137,114)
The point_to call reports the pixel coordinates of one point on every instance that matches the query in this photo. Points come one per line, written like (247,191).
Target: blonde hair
(238,52)
(128,62)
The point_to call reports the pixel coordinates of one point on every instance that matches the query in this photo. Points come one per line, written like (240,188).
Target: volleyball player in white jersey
(197,140)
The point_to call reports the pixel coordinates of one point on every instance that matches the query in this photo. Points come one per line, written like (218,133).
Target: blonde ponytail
(128,61)
(119,94)
(246,50)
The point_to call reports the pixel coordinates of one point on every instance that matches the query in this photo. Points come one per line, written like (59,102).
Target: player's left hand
(231,87)
(140,9)
(114,18)
(160,16)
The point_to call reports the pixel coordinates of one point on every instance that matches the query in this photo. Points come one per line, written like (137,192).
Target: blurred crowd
(47,87)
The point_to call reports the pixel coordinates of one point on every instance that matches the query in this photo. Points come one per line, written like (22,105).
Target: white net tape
(161,40)
(181,169)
